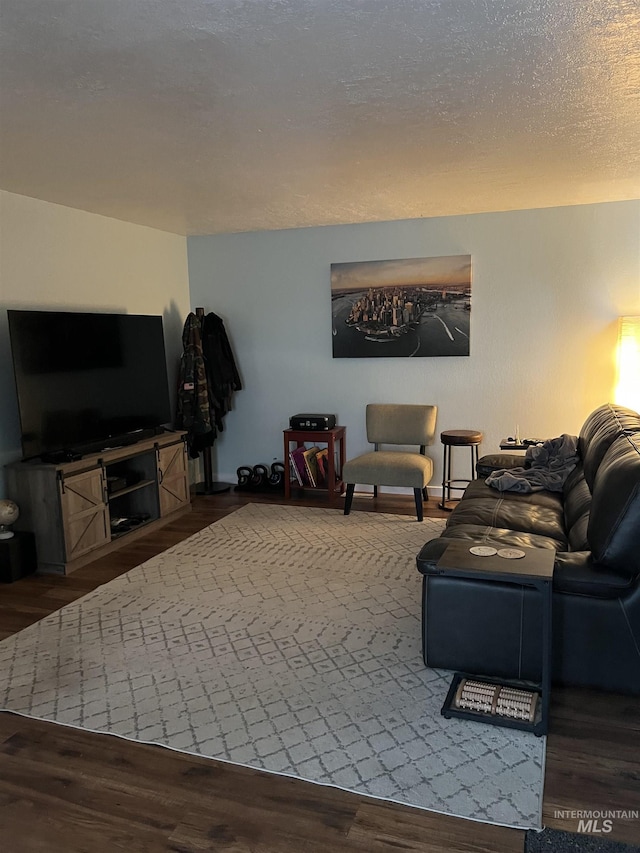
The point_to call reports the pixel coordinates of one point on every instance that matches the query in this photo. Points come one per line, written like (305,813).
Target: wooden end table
(505,444)
(335,440)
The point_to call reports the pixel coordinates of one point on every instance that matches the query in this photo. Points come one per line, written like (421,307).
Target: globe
(9,513)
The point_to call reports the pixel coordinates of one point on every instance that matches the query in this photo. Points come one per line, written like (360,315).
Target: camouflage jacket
(194,398)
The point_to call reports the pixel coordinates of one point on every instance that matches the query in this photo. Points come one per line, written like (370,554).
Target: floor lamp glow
(628,385)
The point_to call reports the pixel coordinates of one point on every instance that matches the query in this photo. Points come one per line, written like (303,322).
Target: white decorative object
(9,513)
(483,550)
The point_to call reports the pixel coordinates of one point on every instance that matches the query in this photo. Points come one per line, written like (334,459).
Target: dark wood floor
(63,789)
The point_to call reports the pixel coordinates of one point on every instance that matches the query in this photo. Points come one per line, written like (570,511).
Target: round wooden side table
(457,438)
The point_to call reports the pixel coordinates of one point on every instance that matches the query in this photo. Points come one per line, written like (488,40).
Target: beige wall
(54,257)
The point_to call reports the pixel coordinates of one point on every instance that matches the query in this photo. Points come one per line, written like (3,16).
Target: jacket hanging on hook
(208,377)
(193,405)
(220,366)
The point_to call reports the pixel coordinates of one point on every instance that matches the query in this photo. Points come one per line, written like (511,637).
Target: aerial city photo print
(406,307)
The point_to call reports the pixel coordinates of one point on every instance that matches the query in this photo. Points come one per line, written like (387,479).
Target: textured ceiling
(208,116)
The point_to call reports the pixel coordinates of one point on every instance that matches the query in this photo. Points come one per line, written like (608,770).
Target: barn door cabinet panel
(83,509)
(85,512)
(173,482)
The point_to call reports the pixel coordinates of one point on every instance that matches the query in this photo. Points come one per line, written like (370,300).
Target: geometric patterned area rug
(282,638)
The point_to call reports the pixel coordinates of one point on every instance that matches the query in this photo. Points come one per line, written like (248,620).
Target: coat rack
(209,486)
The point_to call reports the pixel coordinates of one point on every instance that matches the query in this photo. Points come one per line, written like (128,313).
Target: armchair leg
(348,498)
(375,491)
(425,493)
(418,494)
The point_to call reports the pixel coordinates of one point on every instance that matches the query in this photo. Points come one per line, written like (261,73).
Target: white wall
(53,257)
(548,286)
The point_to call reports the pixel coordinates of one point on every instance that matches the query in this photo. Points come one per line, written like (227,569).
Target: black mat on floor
(556,841)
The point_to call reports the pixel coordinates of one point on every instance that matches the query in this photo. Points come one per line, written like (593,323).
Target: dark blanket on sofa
(547,466)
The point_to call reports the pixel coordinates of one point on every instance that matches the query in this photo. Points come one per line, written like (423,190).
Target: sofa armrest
(497,462)
(576,573)
(429,555)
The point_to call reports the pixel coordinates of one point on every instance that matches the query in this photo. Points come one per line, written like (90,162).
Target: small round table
(457,438)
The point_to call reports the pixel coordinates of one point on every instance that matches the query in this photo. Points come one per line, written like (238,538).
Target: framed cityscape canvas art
(406,307)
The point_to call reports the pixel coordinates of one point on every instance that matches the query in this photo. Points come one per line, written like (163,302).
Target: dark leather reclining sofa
(494,629)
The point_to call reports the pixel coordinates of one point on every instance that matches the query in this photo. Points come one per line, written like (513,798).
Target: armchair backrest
(389,423)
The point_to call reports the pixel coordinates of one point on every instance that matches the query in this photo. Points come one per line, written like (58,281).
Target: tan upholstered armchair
(402,426)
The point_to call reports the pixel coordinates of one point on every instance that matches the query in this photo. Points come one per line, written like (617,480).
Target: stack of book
(309,465)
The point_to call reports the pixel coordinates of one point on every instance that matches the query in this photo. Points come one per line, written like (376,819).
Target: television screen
(87,380)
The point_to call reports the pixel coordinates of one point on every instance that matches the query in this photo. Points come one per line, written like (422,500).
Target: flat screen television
(87,381)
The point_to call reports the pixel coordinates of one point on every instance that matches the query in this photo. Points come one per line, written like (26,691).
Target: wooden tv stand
(83,509)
